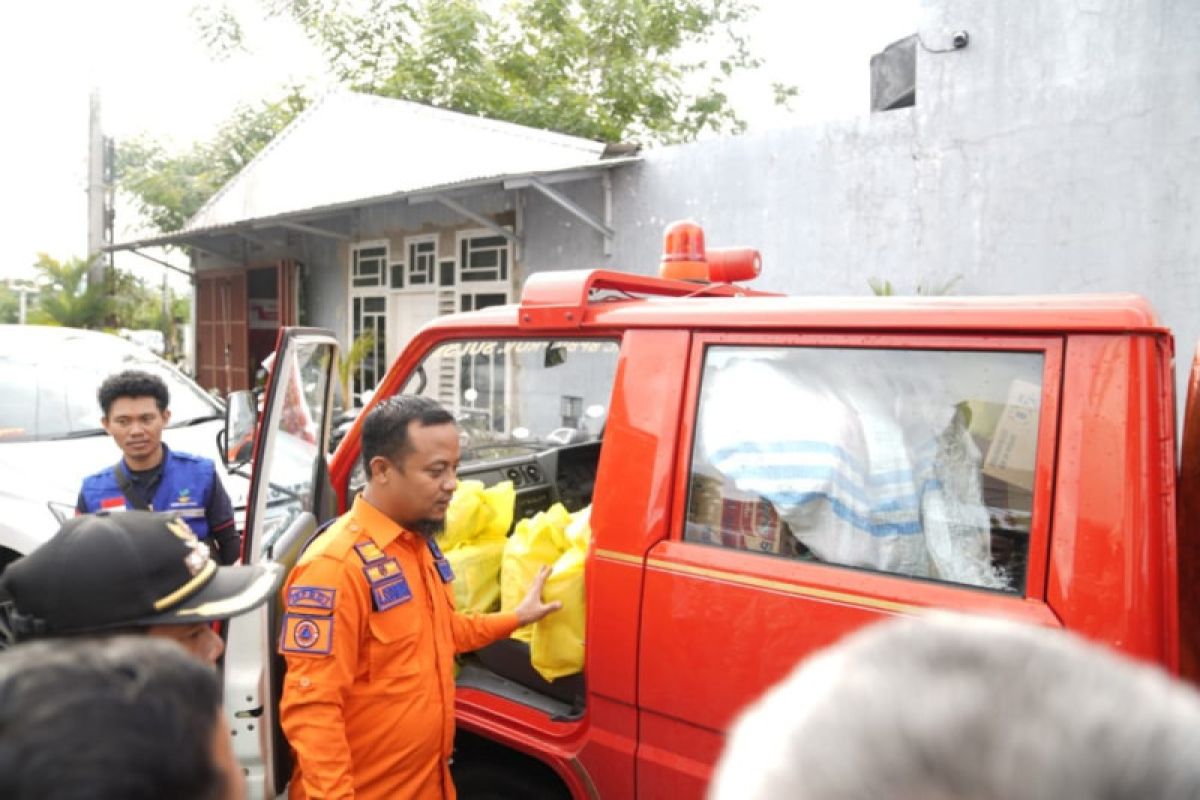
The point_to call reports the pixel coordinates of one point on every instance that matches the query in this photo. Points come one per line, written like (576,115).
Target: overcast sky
(155,77)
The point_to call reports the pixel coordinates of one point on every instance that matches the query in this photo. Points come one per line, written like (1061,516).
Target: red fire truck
(765,474)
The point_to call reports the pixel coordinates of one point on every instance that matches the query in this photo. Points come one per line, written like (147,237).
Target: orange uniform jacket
(369,638)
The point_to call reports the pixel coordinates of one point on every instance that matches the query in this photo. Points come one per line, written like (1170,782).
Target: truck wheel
(484,781)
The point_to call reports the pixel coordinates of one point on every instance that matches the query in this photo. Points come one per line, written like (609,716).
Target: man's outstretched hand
(531,608)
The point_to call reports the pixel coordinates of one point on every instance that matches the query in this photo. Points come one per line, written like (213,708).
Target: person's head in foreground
(122,718)
(949,708)
(130,572)
(410,451)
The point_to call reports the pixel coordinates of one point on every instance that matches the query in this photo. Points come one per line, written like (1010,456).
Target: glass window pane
(917,463)
(292,471)
(483,258)
(51,393)
(483,275)
(509,396)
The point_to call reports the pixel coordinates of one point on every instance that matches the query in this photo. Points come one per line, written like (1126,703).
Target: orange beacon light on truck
(685,257)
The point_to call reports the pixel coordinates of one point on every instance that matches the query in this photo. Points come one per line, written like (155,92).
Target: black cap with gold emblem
(127,568)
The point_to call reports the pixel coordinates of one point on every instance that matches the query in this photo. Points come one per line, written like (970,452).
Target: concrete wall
(1058,152)
(555,239)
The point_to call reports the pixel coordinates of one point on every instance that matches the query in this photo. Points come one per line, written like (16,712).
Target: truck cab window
(913,462)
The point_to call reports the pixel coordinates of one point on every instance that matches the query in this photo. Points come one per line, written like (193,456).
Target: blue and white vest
(185,487)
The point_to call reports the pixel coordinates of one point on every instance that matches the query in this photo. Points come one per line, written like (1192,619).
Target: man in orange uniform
(370,631)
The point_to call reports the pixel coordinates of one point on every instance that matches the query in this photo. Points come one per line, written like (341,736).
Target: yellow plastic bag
(501,499)
(466,515)
(473,542)
(537,541)
(476,575)
(557,645)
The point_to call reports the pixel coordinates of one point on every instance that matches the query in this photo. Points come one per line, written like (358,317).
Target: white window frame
(461,269)
(434,272)
(363,293)
(385,275)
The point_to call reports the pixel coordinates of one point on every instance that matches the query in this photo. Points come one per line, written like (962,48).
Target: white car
(50,434)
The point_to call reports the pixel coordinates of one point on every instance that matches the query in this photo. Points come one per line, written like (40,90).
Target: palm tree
(350,360)
(66,298)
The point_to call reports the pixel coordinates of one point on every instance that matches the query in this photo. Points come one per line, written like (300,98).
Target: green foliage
(881,288)
(219,29)
(66,298)
(169,187)
(609,70)
(349,361)
(10,305)
(138,304)
(124,300)
(884,288)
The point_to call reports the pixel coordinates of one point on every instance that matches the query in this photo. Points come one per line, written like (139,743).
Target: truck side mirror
(241,415)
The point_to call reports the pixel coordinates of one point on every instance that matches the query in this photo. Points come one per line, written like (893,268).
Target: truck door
(823,483)
(1188,528)
(287,490)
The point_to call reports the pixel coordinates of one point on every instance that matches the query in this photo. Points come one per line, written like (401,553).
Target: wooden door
(221,331)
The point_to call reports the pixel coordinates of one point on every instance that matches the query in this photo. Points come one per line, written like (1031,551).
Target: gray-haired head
(949,707)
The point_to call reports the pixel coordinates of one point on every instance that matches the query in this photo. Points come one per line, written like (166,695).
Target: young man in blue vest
(151,476)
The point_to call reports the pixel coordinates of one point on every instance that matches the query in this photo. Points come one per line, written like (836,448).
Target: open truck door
(1188,529)
(290,495)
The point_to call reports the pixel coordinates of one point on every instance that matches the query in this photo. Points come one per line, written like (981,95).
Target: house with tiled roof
(370,214)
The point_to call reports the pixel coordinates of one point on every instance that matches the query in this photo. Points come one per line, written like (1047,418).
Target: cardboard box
(1012,455)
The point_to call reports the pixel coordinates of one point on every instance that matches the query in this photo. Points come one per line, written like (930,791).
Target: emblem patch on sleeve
(304,633)
(316,597)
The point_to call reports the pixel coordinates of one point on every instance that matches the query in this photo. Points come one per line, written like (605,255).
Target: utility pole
(99,194)
(23,290)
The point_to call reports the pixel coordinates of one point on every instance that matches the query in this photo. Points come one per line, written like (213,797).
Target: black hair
(132,383)
(385,430)
(129,718)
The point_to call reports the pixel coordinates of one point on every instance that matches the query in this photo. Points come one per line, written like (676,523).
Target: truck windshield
(514,397)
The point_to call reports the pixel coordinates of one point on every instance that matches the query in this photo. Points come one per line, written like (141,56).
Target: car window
(51,393)
(290,474)
(912,462)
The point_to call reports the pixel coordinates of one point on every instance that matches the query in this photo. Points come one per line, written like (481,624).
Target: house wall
(554,239)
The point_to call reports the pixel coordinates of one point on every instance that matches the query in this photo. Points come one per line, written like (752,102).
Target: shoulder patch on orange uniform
(306,634)
(312,597)
(369,552)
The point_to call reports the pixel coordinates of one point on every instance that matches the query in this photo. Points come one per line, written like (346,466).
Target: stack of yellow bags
(477,524)
(560,540)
